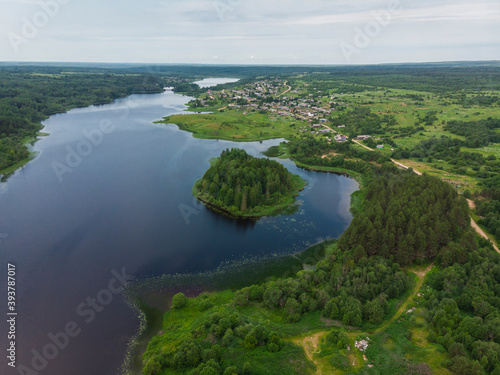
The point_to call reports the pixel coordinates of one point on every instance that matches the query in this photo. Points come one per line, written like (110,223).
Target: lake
(210,82)
(109,195)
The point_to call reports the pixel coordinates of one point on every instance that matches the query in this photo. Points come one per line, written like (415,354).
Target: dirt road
(479,231)
(284,92)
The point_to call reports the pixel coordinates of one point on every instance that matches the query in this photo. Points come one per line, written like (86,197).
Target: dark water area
(110,195)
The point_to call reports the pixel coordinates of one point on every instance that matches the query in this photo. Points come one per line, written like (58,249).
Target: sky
(250,31)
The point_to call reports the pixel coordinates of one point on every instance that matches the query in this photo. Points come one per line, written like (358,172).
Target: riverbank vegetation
(408,288)
(242,185)
(411,227)
(29,95)
(352,288)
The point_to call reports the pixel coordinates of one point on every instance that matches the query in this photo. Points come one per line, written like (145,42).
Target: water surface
(210,82)
(126,203)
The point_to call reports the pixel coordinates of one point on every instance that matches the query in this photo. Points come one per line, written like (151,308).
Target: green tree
(293,310)
(179,301)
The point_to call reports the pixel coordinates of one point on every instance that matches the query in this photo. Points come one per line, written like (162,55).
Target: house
(363,137)
(380,146)
(340,138)
(341,126)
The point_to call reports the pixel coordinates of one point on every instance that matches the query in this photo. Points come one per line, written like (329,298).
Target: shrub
(179,301)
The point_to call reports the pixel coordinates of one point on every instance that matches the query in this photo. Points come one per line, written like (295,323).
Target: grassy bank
(233,126)
(153,297)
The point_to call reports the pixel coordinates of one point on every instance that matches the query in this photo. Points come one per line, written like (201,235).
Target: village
(277,99)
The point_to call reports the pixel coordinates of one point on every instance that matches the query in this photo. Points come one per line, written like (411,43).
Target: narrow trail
(406,167)
(404,305)
(311,342)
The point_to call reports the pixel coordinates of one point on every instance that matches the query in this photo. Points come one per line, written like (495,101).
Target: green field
(233,125)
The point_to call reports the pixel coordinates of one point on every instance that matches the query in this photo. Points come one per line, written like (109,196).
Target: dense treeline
(242,184)
(346,291)
(408,217)
(28,95)
(355,283)
(484,168)
(464,308)
(477,133)
(489,208)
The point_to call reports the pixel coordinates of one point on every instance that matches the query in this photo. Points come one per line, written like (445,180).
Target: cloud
(447,12)
(277,31)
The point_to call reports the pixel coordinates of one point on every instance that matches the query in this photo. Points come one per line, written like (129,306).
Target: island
(243,186)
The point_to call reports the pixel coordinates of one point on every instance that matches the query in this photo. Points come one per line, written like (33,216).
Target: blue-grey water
(210,82)
(108,191)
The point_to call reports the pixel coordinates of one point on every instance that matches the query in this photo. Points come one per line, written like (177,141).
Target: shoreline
(211,279)
(10,170)
(266,211)
(226,277)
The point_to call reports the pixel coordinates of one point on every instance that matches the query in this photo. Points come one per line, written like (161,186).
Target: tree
(250,341)
(272,296)
(228,337)
(374,311)
(331,309)
(188,354)
(338,338)
(179,301)
(153,366)
(231,370)
(293,310)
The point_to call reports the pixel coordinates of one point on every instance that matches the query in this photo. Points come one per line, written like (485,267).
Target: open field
(234,125)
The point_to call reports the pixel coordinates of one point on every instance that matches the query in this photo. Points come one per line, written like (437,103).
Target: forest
(245,185)
(485,168)
(28,95)
(476,133)
(406,219)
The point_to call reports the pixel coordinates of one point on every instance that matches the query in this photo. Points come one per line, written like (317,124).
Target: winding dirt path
(284,92)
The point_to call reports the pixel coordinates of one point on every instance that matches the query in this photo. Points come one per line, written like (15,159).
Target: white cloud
(448,12)
(277,31)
